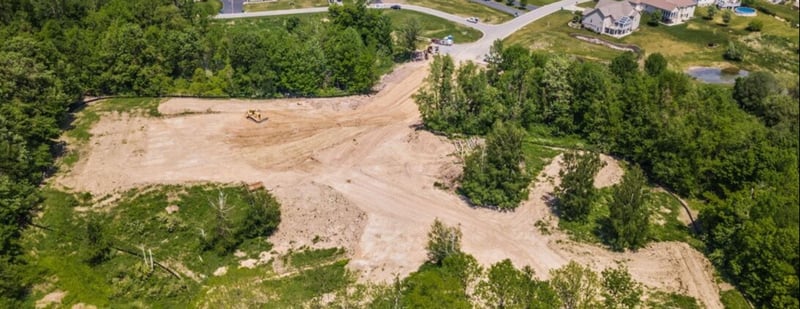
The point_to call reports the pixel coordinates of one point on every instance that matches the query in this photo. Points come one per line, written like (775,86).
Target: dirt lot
(355,172)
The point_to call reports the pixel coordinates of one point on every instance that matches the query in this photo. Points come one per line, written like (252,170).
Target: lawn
(465,8)
(784,11)
(435,27)
(284,5)
(684,45)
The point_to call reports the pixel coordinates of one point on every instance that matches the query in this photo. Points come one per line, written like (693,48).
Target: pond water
(714,75)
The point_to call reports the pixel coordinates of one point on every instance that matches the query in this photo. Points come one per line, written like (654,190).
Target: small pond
(714,75)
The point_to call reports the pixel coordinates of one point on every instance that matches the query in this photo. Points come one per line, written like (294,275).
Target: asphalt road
(232,6)
(475,51)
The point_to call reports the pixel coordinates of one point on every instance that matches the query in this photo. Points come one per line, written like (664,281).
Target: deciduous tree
(629,213)
(576,193)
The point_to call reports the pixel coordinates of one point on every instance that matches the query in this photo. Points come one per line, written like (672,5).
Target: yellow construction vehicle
(255,115)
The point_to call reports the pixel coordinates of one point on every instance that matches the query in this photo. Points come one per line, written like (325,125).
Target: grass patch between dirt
(664,222)
(137,220)
(314,256)
(664,300)
(466,8)
(683,45)
(732,299)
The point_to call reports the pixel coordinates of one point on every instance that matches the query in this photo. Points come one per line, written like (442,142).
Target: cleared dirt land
(356,173)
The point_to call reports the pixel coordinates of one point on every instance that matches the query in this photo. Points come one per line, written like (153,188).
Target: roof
(668,5)
(613,9)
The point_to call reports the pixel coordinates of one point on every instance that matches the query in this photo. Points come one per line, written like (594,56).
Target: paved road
(232,6)
(475,51)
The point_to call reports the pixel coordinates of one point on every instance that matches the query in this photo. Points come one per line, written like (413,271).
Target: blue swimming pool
(745,11)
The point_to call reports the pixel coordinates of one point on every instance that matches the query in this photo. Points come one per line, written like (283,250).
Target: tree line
(735,148)
(451,278)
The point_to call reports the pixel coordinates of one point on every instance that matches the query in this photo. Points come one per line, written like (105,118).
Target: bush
(733,52)
(653,19)
(494,175)
(755,26)
(727,16)
(710,12)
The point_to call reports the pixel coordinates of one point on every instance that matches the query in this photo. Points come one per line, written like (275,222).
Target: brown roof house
(611,17)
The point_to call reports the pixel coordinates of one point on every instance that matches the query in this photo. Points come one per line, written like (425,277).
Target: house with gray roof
(610,17)
(673,12)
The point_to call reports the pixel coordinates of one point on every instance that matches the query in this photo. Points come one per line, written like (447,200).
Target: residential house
(672,12)
(610,17)
(728,4)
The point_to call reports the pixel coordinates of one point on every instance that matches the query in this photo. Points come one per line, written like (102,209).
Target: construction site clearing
(357,171)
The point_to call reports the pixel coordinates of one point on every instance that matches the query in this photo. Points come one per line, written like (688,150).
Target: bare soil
(355,172)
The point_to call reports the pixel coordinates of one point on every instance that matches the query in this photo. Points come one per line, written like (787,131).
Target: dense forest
(736,149)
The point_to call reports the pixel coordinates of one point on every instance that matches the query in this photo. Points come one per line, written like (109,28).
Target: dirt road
(355,172)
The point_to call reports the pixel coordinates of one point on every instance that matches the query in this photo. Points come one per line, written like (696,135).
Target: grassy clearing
(142,106)
(665,225)
(137,220)
(664,300)
(285,5)
(551,33)
(683,45)
(435,27)
(465,8)
(314,256)
(732,299)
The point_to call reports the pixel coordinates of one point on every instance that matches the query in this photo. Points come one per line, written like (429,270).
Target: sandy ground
(355,172)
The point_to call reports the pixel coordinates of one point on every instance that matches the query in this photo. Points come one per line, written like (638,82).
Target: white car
(473,20)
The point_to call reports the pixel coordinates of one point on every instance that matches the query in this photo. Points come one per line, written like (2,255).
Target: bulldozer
(255,115)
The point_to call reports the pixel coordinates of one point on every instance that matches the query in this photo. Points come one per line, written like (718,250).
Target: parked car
(473,20)
(395,7)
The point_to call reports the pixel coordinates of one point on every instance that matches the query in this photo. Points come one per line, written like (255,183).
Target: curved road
(474,51)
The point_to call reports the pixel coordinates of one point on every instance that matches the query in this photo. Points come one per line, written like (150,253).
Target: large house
(620,18)
(672,12)
(610,17)
(723,4)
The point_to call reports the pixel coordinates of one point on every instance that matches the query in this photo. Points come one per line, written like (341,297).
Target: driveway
(232,6)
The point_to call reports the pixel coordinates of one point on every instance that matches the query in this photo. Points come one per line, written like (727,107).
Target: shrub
(653,18)
(733,52)
(710,12)
(727,16)
(755,26)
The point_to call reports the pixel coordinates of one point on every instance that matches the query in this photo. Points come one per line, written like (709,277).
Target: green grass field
(684,45)
(435,27)
(432,26)
(285,5)
(465,8)
(138,220)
